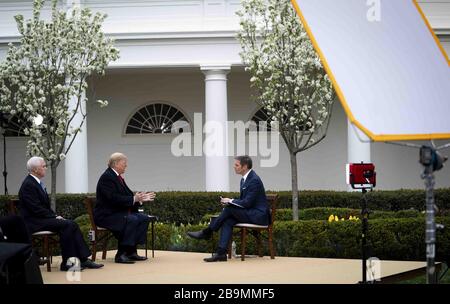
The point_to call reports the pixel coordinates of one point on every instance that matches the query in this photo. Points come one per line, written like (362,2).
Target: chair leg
(105,246)
(47,253)
(272,251)
(153,239)
(146,243)
(259,243)
(94,250)
(229,247)
(243,241)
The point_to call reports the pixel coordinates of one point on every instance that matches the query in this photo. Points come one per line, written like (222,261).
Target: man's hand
(225,200)
(144,196)
(139,197)
(150,196)
(59,217)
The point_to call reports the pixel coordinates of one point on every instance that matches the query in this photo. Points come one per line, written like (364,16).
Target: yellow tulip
(331,218)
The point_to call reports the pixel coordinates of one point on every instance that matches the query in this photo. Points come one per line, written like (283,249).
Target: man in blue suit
(250,207)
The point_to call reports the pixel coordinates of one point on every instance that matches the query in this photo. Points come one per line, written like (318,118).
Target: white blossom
(45,71)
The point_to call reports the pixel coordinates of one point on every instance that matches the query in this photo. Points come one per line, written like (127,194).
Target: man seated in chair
(117,210)
(35,209)
(250,207)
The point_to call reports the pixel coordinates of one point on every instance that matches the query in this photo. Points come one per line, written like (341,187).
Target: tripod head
(431,158)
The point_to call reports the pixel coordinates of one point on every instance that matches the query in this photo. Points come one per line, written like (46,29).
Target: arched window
(157,118)
(261,120)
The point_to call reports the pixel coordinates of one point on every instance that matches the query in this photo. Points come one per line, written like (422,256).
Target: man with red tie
(117,210)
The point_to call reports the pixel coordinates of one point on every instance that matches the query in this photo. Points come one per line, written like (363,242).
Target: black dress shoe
(136,257)
(65,267)
(90,264)
(216,258)
(123,259)
(199,235)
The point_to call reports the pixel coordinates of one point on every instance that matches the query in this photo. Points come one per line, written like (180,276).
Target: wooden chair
(97,234)
(272,200)
(44,240)
(102,235)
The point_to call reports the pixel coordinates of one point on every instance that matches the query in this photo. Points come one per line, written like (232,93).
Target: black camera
(430,157)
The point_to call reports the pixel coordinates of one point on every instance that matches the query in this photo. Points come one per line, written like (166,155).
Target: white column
(217,168)
(358,146)
(76,162)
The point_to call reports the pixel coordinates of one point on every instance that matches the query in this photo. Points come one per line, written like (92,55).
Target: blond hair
(115,158)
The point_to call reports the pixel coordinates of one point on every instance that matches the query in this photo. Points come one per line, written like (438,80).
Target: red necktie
(122,181)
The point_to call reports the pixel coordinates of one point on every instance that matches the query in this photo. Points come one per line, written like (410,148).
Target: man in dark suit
(117,210)
(16,254)
(35,209)
(250,207)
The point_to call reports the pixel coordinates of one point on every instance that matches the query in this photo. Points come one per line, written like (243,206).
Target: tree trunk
(53,193)
(294,179)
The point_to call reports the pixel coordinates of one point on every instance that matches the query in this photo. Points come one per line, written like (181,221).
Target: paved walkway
(170,267)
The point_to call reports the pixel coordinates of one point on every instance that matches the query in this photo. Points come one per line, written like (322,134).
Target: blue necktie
(42,186)
(242,183)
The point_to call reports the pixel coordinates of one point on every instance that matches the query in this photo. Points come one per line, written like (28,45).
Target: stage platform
(174,267)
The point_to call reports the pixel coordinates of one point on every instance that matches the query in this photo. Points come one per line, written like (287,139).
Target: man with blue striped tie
(35,208)
(250,207)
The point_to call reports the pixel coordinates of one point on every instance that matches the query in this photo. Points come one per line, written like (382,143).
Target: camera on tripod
(361,175)
(430,157)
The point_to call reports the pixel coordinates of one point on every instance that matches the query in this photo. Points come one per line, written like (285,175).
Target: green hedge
(324,213)
(377,200)
(190,207)
(388,239)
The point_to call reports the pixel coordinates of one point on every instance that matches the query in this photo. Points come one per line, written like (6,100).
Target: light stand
(362,177)
(432,161)
(4,126)
(365,227)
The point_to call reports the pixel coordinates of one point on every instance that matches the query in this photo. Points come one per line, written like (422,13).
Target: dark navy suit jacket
(34,204)
(114,202)
(253,199)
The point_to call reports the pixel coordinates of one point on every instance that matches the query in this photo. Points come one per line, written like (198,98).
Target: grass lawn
(423,279)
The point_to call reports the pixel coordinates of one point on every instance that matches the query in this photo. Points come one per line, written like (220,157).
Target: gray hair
(115,158)
(34,162)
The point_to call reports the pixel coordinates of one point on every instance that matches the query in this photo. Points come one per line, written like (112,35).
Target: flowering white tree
(45,76)
(287,75)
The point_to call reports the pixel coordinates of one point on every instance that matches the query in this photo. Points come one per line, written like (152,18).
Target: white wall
(198,25)
(16,159)
(151,165)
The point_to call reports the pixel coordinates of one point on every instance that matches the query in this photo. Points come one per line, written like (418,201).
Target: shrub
(190,207)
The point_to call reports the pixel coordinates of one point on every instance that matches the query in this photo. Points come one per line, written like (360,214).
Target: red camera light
(361,176)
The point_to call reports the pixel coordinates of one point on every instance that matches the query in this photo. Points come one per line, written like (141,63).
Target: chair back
(272,199)
(12,206)
(89,202)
